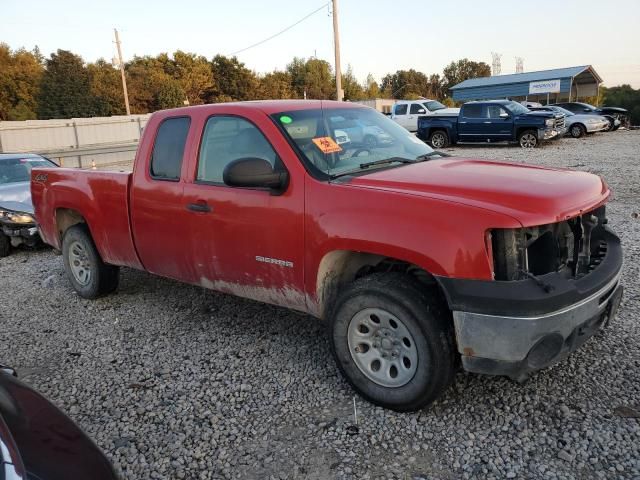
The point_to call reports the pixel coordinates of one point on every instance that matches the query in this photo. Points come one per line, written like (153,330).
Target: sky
(376,36)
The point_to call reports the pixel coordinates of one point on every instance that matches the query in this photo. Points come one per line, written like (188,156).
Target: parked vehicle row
(406,112)
(416,261)
(492,121)
(578,124)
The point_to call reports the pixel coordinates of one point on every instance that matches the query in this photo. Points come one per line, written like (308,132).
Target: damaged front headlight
(21,218)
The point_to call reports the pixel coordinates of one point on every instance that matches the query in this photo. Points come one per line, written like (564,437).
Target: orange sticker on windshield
(327,145)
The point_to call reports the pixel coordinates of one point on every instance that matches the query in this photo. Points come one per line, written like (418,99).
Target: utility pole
(336,44)
(124,80)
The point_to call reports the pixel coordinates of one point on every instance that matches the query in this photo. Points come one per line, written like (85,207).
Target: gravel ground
(173,381)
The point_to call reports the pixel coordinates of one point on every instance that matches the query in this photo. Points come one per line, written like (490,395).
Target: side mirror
(422,110)
(587,109)
(504,115)
(254,173)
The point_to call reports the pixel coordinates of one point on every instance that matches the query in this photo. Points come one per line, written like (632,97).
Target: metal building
(560,84)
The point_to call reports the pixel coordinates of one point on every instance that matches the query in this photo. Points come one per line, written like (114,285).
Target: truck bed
(99,197)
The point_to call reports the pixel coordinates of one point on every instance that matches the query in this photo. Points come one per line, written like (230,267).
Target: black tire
(5,245)
(425,317)
(528,139)
(615,127)
(439,139)
(103,278)
(577,130)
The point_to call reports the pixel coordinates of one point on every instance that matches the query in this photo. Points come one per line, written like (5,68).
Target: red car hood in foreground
(532,195)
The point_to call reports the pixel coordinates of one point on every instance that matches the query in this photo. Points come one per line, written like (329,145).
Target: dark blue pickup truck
(491,121)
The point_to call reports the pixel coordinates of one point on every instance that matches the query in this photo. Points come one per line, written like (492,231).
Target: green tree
(462,70)
(275,85)
(624,96)
(65,90)
(20,76)
(352,88)
(372,89)
(194,74)
(297,70)
(170,95)
(106,88)
(313,77)
(406,84)
(233,80)
(145,77)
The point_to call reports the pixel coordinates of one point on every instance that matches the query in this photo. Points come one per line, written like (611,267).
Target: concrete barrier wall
(77,142)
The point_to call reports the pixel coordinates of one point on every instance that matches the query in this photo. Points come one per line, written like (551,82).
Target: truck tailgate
(101,198)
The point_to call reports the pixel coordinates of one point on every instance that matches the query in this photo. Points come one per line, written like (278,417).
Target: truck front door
(415,110)
(498,123)
(243,241)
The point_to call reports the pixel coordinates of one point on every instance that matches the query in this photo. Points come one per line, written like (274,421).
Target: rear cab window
(472,111)
(401,109)
(168,149)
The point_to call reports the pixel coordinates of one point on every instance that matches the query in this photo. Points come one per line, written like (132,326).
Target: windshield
(432,105)
(517,108)
(341,140)
(14,170)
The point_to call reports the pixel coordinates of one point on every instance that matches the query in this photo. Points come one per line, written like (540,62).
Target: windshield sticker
(286,119)
(327,145)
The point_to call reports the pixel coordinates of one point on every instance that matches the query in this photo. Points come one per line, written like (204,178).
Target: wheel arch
(341,267)
(66,218)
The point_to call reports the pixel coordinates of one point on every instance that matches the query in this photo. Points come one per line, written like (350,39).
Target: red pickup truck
(414,259)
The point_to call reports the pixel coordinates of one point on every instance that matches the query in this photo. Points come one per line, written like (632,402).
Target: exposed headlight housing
(550,122)
(8,216)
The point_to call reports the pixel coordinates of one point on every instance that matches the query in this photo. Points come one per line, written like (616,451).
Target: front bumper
(19,233)
(513,328)
(548,133)
(596,127)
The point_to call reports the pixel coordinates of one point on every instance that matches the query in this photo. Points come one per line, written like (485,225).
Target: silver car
(17,224)
(577,124)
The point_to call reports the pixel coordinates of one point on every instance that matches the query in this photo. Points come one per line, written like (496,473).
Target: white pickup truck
(406,112)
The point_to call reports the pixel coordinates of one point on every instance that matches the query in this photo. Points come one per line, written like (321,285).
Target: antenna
(496,68)
(519,64)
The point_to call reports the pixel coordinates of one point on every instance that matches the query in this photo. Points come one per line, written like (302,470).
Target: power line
(281,31)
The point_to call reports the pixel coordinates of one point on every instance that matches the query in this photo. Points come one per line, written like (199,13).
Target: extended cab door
(244,241)
(471,123)
(400,114)
(158,219)
(415,110)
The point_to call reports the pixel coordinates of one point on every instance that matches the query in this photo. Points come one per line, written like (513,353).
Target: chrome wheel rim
(576,131)
(79,263)
(528,140)
(437,140)
(382,347)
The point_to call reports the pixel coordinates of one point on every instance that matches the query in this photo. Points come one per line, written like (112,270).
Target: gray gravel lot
(173,381)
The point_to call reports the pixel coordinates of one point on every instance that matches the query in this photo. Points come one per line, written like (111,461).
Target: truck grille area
(560,123)
(575,247)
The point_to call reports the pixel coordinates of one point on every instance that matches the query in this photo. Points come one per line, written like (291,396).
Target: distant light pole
(124,80)
(336,44)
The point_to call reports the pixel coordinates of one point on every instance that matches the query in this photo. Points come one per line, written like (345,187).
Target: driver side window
(226,139)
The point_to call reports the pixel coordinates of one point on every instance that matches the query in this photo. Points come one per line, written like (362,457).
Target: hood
(532,195)
(16,197)
(542,113)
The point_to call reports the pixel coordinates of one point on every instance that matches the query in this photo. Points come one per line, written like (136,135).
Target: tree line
(64,86)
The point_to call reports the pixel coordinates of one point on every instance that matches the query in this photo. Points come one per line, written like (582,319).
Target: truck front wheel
(392,339)
(439,139)
(528,139)
(89,275)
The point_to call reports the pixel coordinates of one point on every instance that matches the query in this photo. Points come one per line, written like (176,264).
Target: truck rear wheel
(5,245)
(439,139)
(528,139)
(393,341)
(89,275)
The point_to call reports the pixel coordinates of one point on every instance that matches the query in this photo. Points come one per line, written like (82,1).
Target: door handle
(462,122)
(199,207)
(487,121)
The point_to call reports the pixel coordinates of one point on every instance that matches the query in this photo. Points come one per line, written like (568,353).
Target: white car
(406,112)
